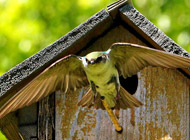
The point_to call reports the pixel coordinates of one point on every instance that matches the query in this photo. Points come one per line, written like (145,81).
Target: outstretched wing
(131,58)
(65,74)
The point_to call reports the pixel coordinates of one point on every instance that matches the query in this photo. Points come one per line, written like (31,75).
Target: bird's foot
(120,131)
(102,97)
(95,96)
(117,113)
(112,108)
(118,96)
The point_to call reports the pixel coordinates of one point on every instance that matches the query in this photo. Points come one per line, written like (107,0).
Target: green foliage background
(27,26)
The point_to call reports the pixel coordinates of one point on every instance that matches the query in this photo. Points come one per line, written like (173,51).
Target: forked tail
(125,101)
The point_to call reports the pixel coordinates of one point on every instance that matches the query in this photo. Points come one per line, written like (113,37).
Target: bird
(100,70)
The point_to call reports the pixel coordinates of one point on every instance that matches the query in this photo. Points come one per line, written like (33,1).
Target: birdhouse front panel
(163,92)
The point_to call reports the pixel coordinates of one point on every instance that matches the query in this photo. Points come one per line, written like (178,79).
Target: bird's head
(95,58)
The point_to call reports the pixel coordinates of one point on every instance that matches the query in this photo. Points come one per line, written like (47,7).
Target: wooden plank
(150,32)
(74,41)
(25,117)
(113,8)
(46,124)
(165,112)
(165,94)
(28,132)
(27,121)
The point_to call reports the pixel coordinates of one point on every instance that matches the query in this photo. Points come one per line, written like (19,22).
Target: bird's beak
(92,61)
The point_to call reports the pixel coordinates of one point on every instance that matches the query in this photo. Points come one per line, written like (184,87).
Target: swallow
(100,70)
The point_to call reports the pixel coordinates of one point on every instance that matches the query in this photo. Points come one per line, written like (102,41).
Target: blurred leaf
(2,137)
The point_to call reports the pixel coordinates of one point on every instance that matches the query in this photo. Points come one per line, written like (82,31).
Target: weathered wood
(113,8)
(27,115)
(27,121)
(74,41)
(116,34)
(46,124)
(165,111)
(150,32)
(29,132)
(164,92)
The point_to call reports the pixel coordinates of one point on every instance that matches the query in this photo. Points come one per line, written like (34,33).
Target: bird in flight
(100,70)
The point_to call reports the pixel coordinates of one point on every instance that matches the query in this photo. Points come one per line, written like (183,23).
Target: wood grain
(164,93)
(46,114)
(165,111)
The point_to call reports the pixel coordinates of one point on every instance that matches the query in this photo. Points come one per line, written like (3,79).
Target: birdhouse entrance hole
(130,83)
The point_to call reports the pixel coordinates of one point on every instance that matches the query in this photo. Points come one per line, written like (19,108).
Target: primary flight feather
(100,70)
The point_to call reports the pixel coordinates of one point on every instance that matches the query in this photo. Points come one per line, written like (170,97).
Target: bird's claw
(117,113)
(118,96)
(95,96)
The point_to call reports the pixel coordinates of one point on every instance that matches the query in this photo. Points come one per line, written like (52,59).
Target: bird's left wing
(131,58)
(65,74)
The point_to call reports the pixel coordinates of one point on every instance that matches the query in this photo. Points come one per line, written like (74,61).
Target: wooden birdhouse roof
(118,13)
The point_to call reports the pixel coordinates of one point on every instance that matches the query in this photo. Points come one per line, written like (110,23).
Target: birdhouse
(164,92)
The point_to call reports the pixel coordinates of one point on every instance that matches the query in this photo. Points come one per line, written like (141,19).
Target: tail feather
(88,98)
(98,103)
(127,100)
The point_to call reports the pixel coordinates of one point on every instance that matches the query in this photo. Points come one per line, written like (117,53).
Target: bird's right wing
(65,74)
(131,58)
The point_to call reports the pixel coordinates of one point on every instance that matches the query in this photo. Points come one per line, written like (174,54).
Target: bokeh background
(27,26)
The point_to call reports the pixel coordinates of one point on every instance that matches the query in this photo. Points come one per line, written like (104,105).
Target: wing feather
(65,74)
(131,58)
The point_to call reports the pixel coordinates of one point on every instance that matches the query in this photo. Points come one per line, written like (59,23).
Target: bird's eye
(103,56)
(87,60)
(99,59)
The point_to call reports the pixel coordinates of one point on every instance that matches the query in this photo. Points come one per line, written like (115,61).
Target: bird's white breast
(101,74)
